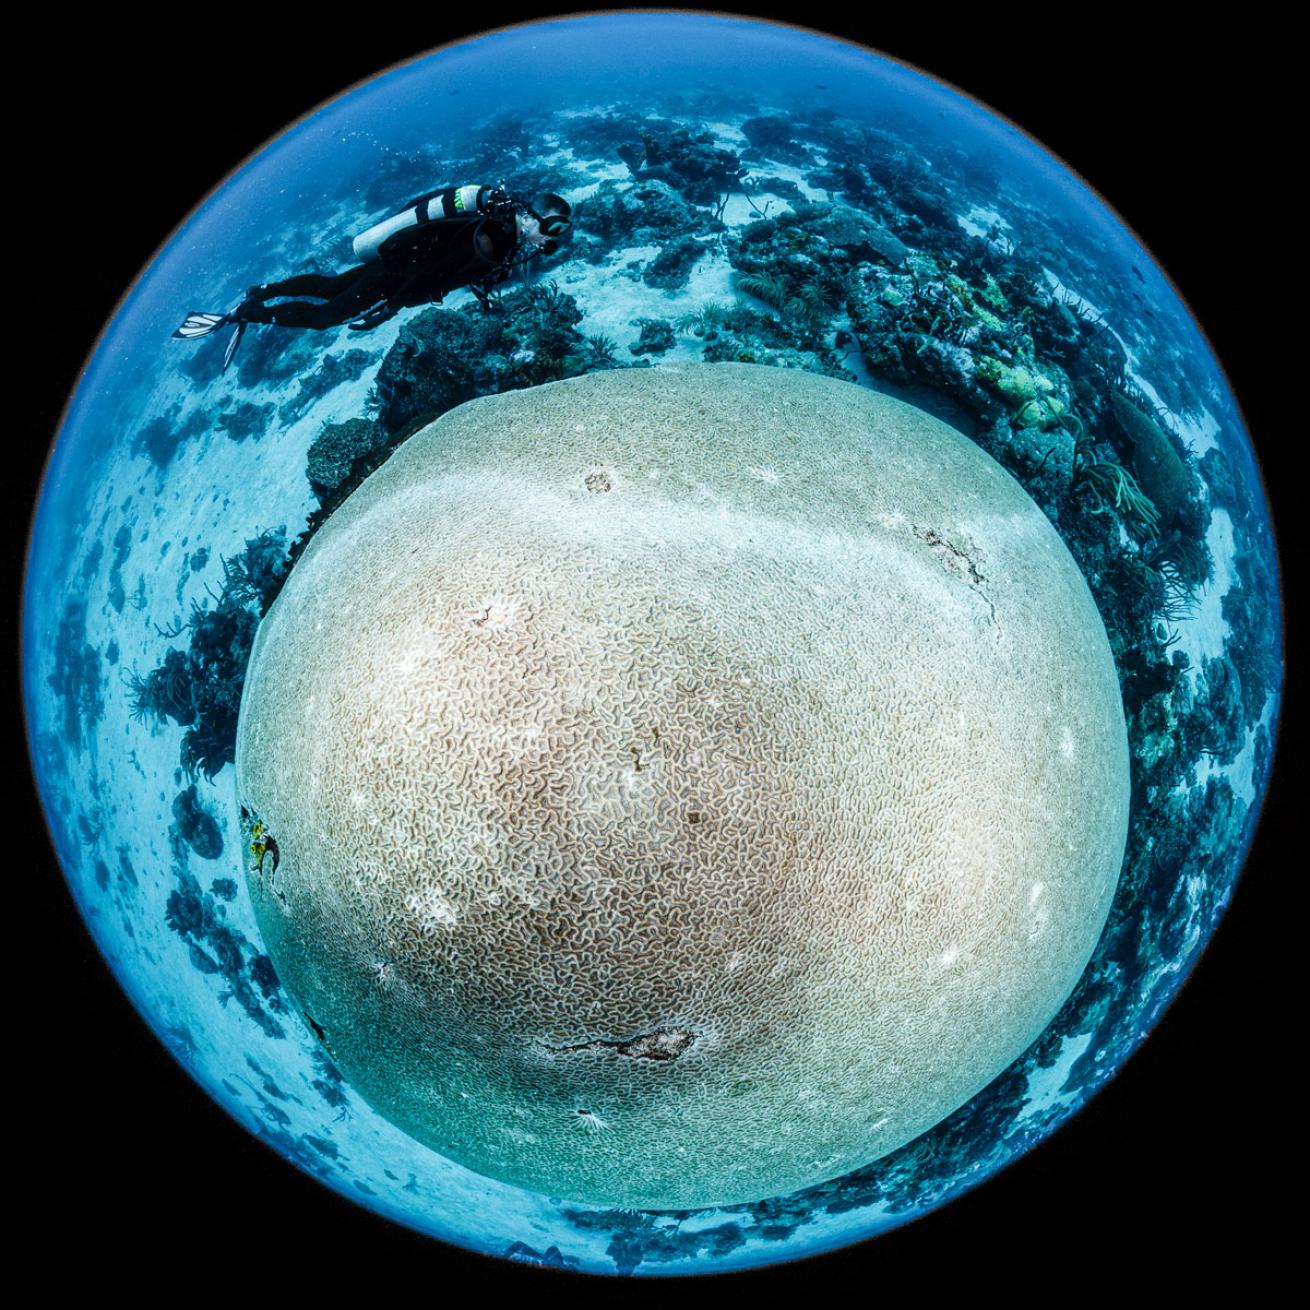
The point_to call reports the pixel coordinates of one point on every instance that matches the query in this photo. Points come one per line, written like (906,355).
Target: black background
(144,1183)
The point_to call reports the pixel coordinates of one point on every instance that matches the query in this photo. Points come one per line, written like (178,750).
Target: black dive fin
(200,325)
(232,343)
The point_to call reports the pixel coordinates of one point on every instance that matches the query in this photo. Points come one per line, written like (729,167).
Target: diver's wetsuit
(416,266)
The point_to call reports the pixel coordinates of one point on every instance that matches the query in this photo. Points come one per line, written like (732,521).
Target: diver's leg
(291,313)
(354,291)
(318,286)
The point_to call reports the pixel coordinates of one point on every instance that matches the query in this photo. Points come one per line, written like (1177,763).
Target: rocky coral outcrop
(337,447)
(441,359)
(650,212)
(671,268)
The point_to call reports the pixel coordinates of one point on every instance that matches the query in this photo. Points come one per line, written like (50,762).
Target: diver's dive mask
(552,225)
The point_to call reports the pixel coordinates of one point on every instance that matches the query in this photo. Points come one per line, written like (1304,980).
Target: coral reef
(161,437)
(691,162)
(196,826)
(245,421)
(672,267)
(333,453)
(1108,486)
(75,680)
(441,359)
(199,689)
(656,337)
(332,372)
(651,213)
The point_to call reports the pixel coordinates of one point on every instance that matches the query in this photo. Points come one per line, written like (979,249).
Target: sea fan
(600,351)
(807,307)
(705,321)
(767,287)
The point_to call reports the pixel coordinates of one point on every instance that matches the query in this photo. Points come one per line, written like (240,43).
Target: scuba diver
(472,236)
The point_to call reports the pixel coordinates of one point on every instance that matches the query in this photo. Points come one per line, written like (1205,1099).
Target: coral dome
(671,810)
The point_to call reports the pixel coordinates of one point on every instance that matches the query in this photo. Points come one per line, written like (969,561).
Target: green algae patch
(1034,398)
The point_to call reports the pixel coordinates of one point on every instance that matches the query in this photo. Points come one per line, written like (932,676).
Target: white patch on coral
(1203,634)
(978,222)
(1044,1084)
(431,910)
(727,135)
(1241,772)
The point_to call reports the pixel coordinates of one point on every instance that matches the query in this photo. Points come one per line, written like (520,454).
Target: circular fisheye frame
(660,684)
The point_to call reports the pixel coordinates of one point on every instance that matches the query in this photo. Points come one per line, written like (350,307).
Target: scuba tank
(454,202)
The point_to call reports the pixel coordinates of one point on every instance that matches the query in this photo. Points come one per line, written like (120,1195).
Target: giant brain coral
(687,784)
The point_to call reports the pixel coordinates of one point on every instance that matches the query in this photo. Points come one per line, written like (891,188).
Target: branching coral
(656,337)
(1108,486)
(808,306)
(255,576)
(207,747)
(1179,598)
(599,352)
(711,318)
(768,287)
(164,693)
(1187,557)
(802,304)
(1183,563)
(546,300)
(702,322)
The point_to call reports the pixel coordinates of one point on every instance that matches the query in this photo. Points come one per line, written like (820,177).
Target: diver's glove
(482,294)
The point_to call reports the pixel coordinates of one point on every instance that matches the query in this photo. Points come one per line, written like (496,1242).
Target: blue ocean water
(146,512)
(232,239)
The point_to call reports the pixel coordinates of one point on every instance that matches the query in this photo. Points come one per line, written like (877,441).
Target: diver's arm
(482,293)
(372,318)
(381,312)
(417,290)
